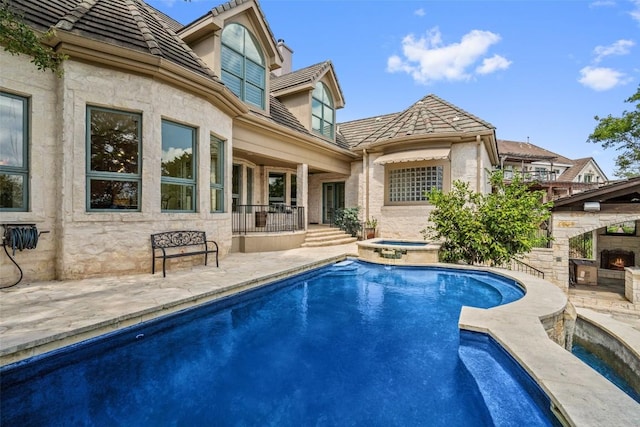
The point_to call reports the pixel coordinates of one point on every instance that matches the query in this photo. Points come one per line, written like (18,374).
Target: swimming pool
(352,343)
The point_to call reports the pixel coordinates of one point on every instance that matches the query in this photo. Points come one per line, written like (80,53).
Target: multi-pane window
(113,159)
(414,184)
(178,183)
(242,65)
(217,175)
(14,162)
(322,112)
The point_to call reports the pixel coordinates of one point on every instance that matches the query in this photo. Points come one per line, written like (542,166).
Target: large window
(14,161)
(113,159)
(178,186)
(412,184)
(217,175)
(242,63)
(322,113)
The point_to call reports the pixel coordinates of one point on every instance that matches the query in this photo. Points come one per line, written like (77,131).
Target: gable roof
(573,171)
(131,24)
(214,20)
(429,116)
(306,79)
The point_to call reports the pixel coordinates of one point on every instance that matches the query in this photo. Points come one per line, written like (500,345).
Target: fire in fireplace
(616,259)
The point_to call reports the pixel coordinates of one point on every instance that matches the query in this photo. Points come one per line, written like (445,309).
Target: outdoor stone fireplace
(616,259)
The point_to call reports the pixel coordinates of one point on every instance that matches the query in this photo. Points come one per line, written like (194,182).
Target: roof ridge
(455,107)
(428,110)
(69,19)
(171,33)
(147,34)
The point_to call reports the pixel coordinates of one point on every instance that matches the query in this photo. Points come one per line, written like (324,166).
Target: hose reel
(19,237)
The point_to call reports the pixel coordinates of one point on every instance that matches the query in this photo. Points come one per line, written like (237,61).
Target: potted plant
(370,228)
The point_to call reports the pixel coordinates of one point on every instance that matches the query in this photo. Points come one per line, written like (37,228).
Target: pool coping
(579,395)
(562,376)
(14,349)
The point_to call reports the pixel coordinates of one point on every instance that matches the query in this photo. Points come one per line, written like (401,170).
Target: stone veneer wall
(569,224)
(632,284)
(82,244)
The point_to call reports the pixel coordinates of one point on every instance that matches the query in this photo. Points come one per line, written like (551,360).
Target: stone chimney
(287,58)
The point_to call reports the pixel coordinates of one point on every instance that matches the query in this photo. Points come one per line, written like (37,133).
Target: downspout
(365,171)
(479,162)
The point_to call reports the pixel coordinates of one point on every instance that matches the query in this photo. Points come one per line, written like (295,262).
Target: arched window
(322,114)
(243,69)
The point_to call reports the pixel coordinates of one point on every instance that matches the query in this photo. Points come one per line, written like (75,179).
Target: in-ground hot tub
(398,252)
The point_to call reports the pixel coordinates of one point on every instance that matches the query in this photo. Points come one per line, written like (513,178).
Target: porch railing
(267,218)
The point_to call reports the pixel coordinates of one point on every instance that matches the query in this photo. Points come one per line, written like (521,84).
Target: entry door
(332,199)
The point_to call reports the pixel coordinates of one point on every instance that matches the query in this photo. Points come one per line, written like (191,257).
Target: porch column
(302,190)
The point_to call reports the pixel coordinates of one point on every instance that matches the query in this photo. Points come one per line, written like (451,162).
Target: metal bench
(160,242)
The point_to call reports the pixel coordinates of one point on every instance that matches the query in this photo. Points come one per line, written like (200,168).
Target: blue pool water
(348,344)
(605,370)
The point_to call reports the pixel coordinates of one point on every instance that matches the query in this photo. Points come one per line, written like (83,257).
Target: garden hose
(19,237)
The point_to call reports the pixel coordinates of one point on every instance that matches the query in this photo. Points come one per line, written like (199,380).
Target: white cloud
(419,12)
(427,59)
(635,13)
(620,47)
(601,78)
(602,3)
(496,62)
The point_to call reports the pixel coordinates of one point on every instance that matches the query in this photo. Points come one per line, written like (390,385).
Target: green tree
(18,38)
(495,227)
(623,134)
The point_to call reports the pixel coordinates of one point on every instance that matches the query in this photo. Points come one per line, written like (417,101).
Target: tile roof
(356,130)
(429,116)
(307,75)
(130,24)
(527,151)
(173,25)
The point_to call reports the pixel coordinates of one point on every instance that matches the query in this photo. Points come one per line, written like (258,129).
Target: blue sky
(536,70)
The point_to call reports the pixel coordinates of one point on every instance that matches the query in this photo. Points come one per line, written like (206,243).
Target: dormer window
(322,111)
(242,65)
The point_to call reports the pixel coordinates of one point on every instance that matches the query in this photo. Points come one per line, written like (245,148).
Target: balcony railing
(267,218)
(529,176)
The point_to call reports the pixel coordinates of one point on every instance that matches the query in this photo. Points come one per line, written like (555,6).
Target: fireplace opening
(616,259)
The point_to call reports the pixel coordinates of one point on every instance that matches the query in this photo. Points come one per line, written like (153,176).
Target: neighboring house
(155,126)
(548,171)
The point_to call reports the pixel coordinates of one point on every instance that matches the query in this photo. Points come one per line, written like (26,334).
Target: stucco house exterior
(157,126)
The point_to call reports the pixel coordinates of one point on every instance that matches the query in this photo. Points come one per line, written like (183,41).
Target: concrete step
(325,238)
(324,232)
(332,242)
